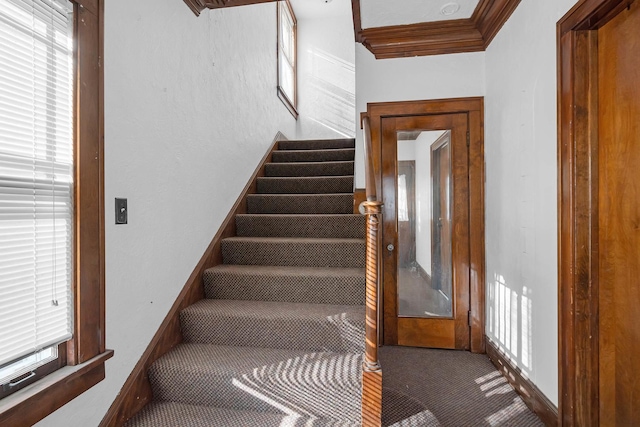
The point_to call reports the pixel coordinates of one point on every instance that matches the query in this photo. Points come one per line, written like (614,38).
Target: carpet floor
(426,387)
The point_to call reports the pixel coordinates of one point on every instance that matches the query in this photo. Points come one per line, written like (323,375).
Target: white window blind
(36,177)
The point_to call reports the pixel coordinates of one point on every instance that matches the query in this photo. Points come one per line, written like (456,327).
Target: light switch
(121,211)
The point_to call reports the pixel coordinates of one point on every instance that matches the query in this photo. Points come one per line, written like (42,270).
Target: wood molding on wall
(198,6)
(578,259)
(436,38)
(136,391)
(531,395)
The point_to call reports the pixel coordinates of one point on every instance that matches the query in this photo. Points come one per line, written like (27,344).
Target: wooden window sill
(35,402)
(285,100)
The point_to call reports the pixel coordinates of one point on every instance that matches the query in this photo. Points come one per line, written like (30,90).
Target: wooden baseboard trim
(531,395)
(136,391)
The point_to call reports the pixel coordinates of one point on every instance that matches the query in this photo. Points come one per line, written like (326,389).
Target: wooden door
(410,325)
(619,218)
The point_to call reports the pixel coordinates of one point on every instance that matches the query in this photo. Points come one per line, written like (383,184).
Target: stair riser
(300,204)
(313,156)
(345,226)
(162,414)
(319,144)
(320,254)
(309,381)
(328,334)
(303,289)
(309,169)
(326,185)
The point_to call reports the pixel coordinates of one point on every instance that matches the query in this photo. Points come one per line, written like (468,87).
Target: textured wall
(326,73)
(521,190)
(190,109)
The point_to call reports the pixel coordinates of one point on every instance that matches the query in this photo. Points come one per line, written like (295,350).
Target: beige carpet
(425,387)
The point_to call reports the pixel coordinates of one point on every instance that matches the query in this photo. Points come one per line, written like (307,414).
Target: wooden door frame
(578,329)
(474,108)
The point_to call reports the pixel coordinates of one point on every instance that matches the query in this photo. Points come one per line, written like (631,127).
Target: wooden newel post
(372,372)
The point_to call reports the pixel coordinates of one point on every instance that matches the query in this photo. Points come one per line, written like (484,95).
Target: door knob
(390,247)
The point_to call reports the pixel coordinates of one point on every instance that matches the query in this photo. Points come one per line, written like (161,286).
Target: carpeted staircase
(279,339)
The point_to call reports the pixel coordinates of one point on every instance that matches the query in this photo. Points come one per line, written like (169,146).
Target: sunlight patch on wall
(509,323)
(331,90)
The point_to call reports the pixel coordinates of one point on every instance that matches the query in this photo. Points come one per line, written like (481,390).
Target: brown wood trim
(474,108)
(436,38)
(441,333)
(490,16)
(197,6)
(357,20)
(89,282)
(372,398)
(371,369)
(430,38)
(359,196)
(578,328)
(476,229)
(136,391)
(33,403)
(531,395)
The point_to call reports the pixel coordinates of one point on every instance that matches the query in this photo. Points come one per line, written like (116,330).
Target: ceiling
(383,13)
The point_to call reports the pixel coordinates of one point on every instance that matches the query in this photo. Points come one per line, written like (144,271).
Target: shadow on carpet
(427,387)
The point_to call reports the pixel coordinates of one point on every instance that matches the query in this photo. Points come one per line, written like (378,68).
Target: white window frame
(288,99)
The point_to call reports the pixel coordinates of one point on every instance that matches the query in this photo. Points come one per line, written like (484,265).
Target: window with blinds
(287,53)
(36,183)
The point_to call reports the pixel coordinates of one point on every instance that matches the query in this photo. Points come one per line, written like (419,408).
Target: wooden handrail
(369,175)
(372,372)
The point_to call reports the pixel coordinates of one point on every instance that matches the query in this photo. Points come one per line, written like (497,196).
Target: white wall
(423,197)
(326,70)
(419,78)
(521,190)
(190,109)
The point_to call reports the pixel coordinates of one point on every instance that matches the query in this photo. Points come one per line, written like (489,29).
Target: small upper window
(287,52)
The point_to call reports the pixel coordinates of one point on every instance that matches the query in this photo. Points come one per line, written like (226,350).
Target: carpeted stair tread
(173,414)
(310,225)
(331,155)
(320,285)
(295,326)
(259,379)
(305,185)
(340,168)
(316,144)
(293,251)
(300,203)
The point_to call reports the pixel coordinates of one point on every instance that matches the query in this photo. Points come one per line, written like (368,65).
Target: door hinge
(468,138)
(469,317)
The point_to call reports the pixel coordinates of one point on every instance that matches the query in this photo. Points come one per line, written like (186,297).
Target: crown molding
(436,38)
(197,6)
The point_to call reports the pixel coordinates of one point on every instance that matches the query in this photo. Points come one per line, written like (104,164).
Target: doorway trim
(474,108)
(578,329)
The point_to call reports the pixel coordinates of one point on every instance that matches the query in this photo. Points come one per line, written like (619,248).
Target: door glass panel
(424,194)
